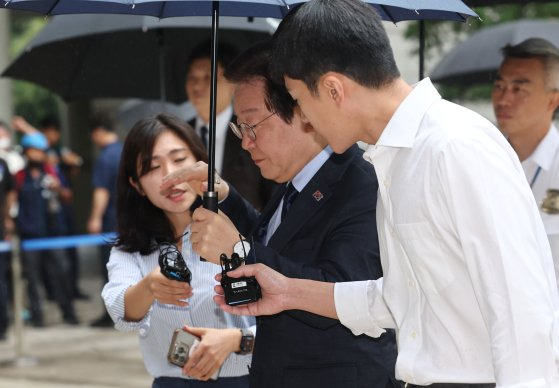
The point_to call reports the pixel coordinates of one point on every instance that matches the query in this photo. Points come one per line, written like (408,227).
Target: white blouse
(156,328)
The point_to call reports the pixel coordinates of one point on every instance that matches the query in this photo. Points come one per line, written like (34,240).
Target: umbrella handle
(210,200)
(210,203)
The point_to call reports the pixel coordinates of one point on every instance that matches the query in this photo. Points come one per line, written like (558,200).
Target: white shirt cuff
(352,308)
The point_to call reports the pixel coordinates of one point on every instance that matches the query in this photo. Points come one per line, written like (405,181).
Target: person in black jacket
(231,161)
(323,230)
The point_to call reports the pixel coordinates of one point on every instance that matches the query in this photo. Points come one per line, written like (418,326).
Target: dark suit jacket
(240,171)
(329,234)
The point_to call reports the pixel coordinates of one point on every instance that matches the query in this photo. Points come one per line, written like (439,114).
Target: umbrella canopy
(477,59)
(392,10)
(88,56)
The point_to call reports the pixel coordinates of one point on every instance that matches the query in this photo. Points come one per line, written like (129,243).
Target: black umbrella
(477,59)
(393,10)
(121,56)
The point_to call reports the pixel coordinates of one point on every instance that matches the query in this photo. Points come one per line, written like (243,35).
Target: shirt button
(386,183)
(411,283)
(413,334)
(142,332)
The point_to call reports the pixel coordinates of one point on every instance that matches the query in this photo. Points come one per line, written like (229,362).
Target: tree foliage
(439,34)
(30,101)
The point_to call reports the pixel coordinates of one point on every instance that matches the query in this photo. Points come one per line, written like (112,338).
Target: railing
(33,245)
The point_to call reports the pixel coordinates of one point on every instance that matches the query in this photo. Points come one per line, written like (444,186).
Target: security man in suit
(320,224)
(525,100)
(231,161)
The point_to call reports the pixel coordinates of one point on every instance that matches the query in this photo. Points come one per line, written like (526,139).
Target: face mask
(34,164)
(5,143)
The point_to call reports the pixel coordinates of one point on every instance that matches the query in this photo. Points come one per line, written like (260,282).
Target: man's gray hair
(539,48)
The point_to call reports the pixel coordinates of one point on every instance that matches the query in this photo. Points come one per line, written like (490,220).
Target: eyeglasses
(243,129)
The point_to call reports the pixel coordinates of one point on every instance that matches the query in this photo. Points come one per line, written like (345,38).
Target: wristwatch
(247,342)
(242,248)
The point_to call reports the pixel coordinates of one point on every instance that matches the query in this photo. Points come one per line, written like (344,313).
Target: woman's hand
(214,347)
(168,291)
(154,287)
(197,177)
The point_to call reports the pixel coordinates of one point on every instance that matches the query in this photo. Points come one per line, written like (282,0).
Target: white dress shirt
(221,127)
(468,276)
(156,328)
(542,171)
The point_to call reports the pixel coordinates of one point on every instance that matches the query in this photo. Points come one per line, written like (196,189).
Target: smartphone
(182,345)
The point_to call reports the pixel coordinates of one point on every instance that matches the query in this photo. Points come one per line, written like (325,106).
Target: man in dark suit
(324,230)
(231,161)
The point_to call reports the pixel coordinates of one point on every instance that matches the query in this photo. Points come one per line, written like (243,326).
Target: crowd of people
(37,176)
(428,259)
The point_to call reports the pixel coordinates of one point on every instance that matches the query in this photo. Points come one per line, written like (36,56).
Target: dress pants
(5,265)
(222,382)
(444,385)
(57,273)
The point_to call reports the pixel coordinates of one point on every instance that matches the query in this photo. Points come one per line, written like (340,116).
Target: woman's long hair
(139,222)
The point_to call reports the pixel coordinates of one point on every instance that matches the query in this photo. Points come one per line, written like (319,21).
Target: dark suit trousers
(443,385)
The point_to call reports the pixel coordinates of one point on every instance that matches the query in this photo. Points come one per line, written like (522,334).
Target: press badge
(550,203)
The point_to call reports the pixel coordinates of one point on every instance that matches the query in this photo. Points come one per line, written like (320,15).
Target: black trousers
(444,385)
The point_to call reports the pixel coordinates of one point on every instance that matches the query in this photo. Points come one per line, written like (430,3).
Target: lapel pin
(550,203)
(318,195)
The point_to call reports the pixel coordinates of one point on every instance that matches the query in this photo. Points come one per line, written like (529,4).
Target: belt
(451,385)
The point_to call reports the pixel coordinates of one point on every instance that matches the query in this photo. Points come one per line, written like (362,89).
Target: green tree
(30,101)
(438,34)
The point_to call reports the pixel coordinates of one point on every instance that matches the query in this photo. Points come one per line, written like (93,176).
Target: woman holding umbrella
(150,224)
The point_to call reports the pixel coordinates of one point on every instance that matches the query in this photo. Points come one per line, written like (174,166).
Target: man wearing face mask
(11,156)
(39,191)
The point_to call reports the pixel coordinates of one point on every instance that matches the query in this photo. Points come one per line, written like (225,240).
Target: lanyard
(535,176)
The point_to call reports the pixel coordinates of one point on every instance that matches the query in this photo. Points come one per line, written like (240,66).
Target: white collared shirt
(221,127)
(468,276)
(542,168)
(156,328)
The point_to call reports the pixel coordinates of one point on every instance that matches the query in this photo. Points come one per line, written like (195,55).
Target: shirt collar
(221,122)
(307,173)
(545,152)
(401,130)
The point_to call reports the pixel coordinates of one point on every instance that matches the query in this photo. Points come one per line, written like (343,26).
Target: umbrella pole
(210,196)
(161,45)
(421,49)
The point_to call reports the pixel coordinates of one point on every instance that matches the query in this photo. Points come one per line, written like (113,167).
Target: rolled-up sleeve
(123,273)
(361,308)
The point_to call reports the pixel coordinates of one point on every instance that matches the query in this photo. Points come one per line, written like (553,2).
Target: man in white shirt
(468,275)
(525,98)
(231,161)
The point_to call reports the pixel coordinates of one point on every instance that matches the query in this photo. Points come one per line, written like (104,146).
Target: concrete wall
(5,85)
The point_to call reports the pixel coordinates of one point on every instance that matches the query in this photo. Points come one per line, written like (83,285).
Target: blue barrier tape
(37,244)
(5,246)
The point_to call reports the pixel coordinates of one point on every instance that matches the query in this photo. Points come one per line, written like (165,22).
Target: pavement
(64,356)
